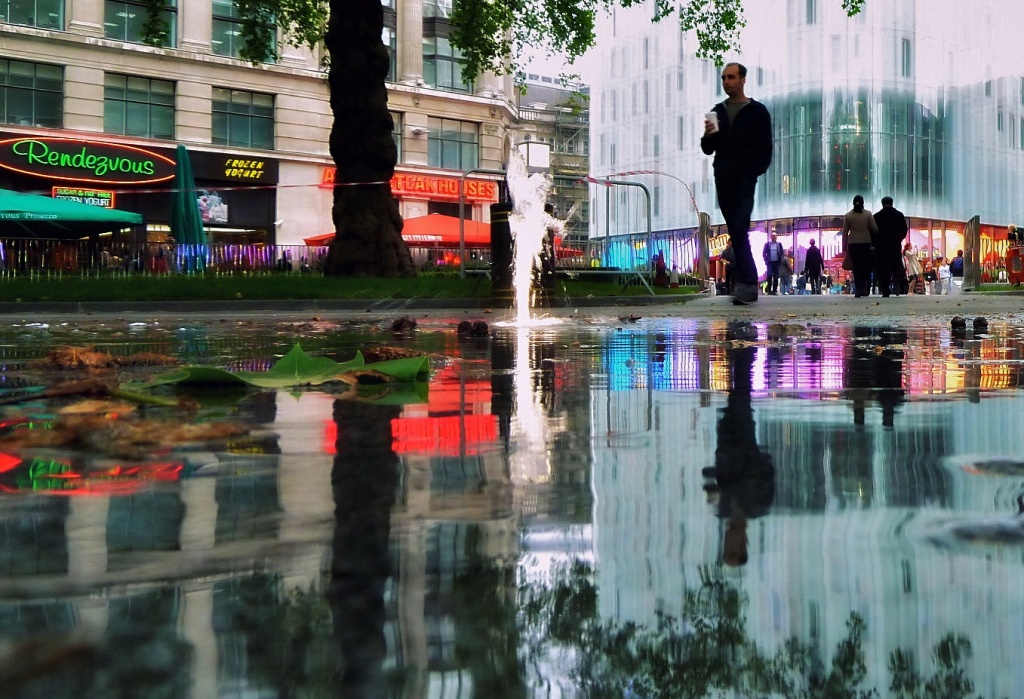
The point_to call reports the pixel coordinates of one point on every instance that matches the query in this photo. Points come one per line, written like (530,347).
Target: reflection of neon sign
(58,477)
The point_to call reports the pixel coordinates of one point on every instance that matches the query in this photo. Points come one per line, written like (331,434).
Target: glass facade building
(919,100)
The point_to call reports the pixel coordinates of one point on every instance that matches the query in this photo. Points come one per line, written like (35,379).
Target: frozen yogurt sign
(79,160)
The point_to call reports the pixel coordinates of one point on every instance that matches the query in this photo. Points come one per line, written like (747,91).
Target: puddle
(618,507)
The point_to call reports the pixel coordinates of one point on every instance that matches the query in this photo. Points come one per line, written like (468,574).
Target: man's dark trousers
(736,201)
(890,269)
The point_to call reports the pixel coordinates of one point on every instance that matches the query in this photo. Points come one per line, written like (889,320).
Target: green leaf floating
(294,369)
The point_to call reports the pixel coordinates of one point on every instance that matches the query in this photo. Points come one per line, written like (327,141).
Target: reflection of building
(855,504)
(921,100)
(257,135)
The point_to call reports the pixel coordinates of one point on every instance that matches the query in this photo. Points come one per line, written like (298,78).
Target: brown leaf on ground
(314,325)
(147,359)
(75,358)
(92,406)
(125,438)
(91,359)
(366,376)
(386,354)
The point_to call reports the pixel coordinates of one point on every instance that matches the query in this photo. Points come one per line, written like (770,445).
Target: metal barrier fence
(38,257)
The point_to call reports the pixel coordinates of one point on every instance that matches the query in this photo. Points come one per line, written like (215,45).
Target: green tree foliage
(492,35)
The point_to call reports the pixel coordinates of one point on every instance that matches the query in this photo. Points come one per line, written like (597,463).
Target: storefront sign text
(240,168)
(431,187)
(94,197)
(78,160)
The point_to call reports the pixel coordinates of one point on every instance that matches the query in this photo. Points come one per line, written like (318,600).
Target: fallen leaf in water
(108,408)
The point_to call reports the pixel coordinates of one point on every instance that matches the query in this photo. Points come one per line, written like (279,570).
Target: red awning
(433,229)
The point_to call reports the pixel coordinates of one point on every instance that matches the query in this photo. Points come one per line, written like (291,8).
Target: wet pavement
(811,494)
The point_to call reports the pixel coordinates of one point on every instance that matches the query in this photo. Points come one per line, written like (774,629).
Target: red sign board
(432,187)
(83,161)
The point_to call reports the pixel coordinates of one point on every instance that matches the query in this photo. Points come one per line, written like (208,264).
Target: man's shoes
(744,294)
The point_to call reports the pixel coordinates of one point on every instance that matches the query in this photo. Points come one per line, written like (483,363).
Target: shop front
(430,206)
(235,194)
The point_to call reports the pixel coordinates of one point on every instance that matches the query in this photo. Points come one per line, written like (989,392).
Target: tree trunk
(368,228)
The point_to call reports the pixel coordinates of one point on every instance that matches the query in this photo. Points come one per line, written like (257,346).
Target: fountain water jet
(529,224)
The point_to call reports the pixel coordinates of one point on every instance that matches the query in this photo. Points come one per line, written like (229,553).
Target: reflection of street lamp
(537,156)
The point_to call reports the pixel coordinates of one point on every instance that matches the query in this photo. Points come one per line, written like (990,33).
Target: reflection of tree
(707,651)
(288,636)
(365,480)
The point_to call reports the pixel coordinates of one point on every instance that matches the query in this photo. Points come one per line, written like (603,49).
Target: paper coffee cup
(713,118)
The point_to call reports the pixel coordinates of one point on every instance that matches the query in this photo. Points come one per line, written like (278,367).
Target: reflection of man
(871,372)
(744,476)
(742,145)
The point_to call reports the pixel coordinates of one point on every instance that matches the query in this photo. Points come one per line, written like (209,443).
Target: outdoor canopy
(432,229)
(43,217)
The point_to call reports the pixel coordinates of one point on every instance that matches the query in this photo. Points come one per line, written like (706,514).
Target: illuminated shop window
(126,21)
(227,31)
(453,144)
(31,94)
(45,14)
(243,119)
(134,106)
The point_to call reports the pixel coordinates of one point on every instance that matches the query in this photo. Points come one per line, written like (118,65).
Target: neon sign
(430,186)
(79,160)
(95,197)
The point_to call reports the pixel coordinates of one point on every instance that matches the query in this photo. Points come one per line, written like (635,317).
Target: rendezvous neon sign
(79,160)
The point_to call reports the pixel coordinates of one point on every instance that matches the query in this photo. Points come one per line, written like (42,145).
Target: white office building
(922,101)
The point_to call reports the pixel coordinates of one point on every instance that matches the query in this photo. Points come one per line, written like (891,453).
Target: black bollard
(501,253)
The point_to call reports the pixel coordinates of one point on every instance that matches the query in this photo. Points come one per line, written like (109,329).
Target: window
(442,65)
(437,8)
(134,106)
(45,14)
(227,31)
(452,144)
(31,94)
(127,21)
(812,11)
(906,59)
(396,132)
(243,119)
(389,37)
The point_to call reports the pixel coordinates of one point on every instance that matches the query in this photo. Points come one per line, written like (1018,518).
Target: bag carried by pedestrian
(847,262)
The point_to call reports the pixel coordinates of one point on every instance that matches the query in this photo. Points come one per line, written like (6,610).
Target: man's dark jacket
(813,262)
(743,147)
(892,226)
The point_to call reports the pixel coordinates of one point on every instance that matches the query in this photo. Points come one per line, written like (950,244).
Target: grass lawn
(145,287)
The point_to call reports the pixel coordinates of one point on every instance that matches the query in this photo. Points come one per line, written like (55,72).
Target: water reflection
(552,485)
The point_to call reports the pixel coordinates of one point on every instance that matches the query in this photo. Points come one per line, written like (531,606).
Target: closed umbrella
(186,221)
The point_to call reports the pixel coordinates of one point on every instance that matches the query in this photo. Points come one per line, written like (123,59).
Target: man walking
(892,229)
(772,254)
(740,137)
(813,264)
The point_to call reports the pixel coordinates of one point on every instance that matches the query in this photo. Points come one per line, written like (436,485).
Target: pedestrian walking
(773,256)
(739,134)
(892,229)
(728,258)
(859,231)
(915,283)
(813,266)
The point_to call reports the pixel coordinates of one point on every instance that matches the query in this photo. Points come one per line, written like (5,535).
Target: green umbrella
(186,221)
(43,217)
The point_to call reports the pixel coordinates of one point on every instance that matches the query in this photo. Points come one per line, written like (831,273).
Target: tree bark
(368,227)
